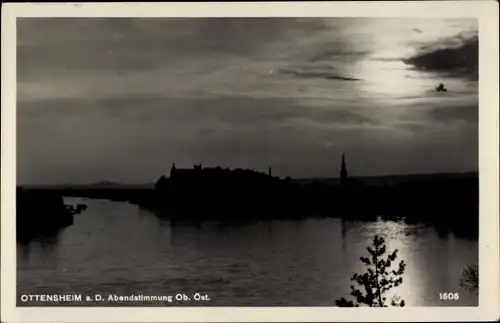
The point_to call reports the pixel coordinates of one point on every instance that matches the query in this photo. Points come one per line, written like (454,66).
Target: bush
(377,280)
(470,278)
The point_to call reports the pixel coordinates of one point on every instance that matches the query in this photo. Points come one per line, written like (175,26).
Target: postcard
(265,161)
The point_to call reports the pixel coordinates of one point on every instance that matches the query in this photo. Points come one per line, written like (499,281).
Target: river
(117,248)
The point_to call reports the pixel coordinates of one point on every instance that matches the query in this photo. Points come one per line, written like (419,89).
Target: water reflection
(266,262)
(43,245)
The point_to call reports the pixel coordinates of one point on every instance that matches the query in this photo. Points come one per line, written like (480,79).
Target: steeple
(343,171)
(270,172)
(172,170)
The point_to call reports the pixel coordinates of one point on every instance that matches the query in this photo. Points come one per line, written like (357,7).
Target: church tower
(343,171)
(172,170)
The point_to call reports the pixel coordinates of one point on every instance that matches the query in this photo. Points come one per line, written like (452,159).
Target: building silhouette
(343,172)
(232,194)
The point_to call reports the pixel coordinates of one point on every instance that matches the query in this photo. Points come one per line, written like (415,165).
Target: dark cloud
(468,113)
(117,44)
(321,70)
(243,36)
(443,115)
(458,55)
(329,54)
(414,127)
(232,111)
(335,116)
(455,41)
(328,48)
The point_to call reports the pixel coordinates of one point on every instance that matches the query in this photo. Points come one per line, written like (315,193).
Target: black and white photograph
(261,161)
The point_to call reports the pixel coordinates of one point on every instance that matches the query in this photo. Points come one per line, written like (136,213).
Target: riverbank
(42,212)
(451,201)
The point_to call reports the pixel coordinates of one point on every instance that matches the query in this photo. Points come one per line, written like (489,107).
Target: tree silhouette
(377,280)
(470,278)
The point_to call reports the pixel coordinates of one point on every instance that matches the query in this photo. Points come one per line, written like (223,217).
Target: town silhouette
(215,193)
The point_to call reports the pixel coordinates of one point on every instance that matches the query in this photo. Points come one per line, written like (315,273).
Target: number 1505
(449,296)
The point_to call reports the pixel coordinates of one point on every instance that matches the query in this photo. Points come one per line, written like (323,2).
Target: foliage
(470,278)
(377,280)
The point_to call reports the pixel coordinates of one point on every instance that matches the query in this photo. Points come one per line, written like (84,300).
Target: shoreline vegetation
(448,201)
(42,212)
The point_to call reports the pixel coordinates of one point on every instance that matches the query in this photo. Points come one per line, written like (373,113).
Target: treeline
(41,211)
(240,194)
(222,194)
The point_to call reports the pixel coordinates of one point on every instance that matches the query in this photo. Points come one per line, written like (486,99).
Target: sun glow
(394,79)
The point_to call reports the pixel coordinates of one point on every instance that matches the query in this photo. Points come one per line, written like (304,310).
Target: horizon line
(292,178)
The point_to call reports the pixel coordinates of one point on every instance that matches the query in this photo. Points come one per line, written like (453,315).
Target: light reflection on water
(121,249)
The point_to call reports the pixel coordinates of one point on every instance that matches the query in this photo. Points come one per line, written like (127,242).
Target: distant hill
(109,185)
(367,180)
(100,185)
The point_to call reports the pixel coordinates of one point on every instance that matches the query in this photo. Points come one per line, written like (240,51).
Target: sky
(121,99)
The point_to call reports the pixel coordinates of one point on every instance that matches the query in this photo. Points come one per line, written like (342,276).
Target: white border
(489,296)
